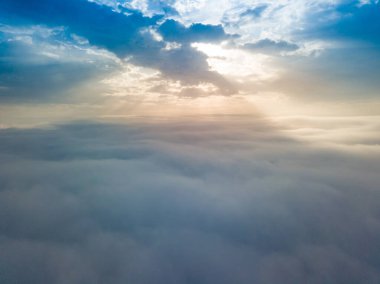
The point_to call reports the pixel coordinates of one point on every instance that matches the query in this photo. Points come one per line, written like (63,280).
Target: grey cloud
(271,46)
(173,30)
(215,201)
(187,65)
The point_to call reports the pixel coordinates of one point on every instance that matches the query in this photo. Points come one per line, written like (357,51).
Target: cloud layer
(215,201)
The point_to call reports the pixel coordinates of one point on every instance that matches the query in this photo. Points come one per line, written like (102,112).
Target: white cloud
(228,61)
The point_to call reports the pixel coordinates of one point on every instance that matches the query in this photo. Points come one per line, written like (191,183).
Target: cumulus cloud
(159,35)
(126,33)
(230,200)
(175,31)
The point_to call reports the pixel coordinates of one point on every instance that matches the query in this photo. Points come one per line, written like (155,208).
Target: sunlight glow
(228,61)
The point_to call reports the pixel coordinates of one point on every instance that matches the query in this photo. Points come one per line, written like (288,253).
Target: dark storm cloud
(199,202)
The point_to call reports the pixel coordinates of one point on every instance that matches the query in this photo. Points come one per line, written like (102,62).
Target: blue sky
(302,51)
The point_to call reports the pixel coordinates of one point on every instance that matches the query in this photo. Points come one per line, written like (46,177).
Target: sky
(189,141)
(88,59)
